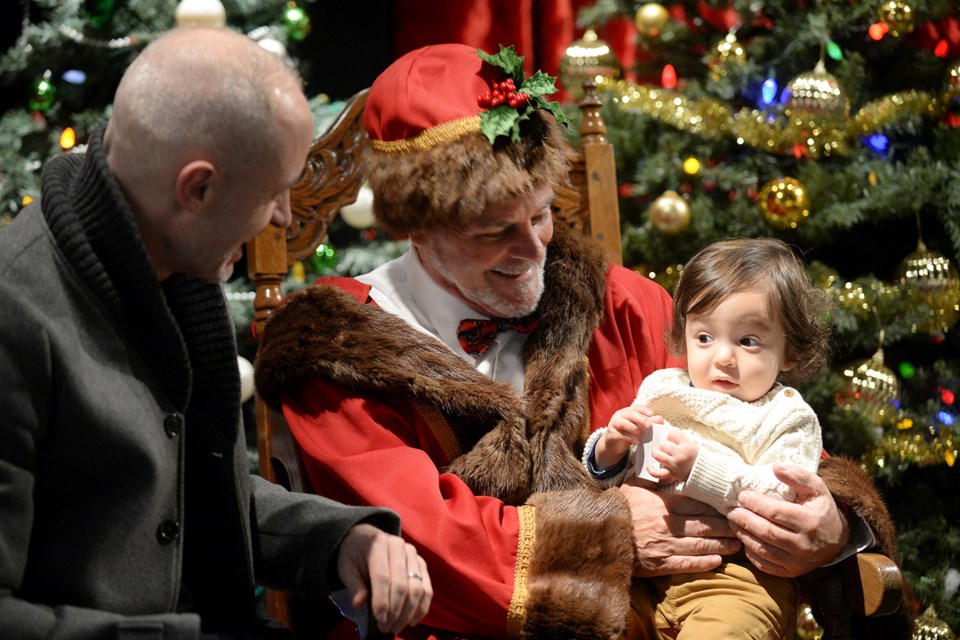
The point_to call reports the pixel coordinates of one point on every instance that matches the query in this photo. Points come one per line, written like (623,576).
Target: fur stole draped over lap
(512,446)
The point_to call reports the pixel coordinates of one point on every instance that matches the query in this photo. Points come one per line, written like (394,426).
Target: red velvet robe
(380,414)
(519,541)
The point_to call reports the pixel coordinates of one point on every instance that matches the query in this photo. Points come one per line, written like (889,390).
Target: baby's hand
(676,456)
(625,428)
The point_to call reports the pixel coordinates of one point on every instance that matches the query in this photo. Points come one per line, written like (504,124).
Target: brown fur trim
(456,180)
(324,332)
(579,575)
(854,487)
(556,409)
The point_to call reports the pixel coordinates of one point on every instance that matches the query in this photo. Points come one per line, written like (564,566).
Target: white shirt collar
(442,309)
(404,288)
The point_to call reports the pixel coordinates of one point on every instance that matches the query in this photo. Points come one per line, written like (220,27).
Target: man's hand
(674,534)
(387,570)
(790,538)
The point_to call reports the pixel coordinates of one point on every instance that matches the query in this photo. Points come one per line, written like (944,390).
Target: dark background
(350,43)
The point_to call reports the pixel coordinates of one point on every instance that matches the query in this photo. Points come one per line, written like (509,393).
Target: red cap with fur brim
(429,165)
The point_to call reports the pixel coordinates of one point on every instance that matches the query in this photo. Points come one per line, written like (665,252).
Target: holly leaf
(507,59)
(500,121)
(504,120)
(554,108)
(515,132)
(539,84)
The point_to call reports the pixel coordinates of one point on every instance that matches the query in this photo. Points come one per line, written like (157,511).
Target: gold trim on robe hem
(528,535)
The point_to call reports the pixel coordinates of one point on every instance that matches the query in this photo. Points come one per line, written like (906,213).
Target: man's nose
(528,244)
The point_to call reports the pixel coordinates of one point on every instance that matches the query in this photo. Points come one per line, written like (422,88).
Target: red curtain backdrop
(539,30)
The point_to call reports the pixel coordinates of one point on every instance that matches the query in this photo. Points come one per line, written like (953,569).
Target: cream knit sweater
(739,441)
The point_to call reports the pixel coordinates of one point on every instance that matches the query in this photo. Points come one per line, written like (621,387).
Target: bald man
(125,506)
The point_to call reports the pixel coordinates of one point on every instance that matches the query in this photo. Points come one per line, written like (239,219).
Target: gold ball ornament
(929,627)
(816,94)
(853,298)
(200,13)
(651,18)
(784,203)
(670,213)
(872,387)
(726,52)
(898,16)
(588,58)
(807,627)
(932,280)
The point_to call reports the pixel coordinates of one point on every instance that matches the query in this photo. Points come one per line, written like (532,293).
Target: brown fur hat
(428,163)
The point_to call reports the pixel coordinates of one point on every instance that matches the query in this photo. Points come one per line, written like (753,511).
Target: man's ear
(194,184)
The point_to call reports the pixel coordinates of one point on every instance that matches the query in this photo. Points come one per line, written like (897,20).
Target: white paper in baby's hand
(650,439)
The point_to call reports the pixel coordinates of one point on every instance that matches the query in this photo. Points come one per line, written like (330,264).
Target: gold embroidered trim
(431,137)
(439,428)
(518,604)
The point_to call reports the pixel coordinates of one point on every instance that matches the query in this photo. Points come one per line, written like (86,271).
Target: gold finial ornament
(588,58)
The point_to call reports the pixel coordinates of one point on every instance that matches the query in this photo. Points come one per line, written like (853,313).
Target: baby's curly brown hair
(769,266)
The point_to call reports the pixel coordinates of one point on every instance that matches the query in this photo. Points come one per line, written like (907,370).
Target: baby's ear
(788,364)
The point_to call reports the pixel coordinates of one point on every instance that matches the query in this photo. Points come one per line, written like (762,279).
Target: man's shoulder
(624,283)
(24,234)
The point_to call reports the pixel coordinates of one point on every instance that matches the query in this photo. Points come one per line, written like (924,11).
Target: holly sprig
(511,101)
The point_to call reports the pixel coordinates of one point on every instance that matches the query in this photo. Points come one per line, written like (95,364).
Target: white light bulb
(200,13)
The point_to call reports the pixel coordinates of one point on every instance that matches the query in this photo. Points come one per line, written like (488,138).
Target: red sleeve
(377,450)
(630,343)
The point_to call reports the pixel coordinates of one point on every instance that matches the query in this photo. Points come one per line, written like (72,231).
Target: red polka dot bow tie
(476,336)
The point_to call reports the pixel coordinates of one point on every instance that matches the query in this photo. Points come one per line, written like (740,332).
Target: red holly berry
(500,93)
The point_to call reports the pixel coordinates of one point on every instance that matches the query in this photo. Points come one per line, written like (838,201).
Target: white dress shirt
(405,289)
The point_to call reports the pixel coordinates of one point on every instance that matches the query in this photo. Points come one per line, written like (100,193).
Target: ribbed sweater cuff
(710,482)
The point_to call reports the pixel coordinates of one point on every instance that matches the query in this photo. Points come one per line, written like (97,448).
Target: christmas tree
(60,63)
(832,125)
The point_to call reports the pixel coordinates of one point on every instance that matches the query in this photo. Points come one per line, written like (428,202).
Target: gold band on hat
(430,138)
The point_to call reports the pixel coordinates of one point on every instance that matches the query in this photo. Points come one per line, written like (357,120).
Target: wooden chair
(870,584)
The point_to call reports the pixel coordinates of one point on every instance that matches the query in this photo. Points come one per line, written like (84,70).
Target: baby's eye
(750,342)
(704,338)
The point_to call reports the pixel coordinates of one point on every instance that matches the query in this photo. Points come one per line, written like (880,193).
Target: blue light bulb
(768,92)
(878,142)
